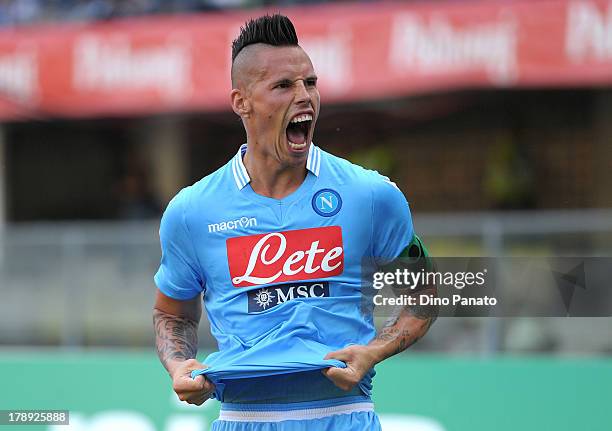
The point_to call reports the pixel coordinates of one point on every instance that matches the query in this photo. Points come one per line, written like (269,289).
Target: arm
(176,337)
(404,328)
(400,332)
(411,322)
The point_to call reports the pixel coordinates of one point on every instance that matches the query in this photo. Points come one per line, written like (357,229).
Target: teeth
(299,119)
(303,117)
(297,146)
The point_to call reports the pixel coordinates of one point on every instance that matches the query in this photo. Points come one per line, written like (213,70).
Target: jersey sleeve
(178,275)
(392,222)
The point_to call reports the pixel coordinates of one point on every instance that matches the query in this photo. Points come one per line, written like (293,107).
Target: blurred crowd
(23,12)
(19,12)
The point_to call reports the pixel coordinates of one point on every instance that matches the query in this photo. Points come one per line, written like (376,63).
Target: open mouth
(298,130)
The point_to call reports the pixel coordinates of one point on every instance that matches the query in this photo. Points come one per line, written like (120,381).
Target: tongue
(296,135)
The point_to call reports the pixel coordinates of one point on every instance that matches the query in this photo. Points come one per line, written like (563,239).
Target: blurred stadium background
(493,117)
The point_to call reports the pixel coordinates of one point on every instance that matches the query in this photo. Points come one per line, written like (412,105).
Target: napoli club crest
(326,202)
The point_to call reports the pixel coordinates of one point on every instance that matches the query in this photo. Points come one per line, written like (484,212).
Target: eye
(311,82)
(283,84)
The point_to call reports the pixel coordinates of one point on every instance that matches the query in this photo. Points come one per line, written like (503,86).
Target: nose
(302,95)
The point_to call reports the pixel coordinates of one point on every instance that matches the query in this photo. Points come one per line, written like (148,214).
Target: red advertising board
(360,52)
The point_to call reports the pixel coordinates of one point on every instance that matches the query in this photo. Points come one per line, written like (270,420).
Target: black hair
(276,30)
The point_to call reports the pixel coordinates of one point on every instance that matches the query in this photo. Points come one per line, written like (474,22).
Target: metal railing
(79,284)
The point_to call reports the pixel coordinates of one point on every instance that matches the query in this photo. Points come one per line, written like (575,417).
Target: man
(273,242)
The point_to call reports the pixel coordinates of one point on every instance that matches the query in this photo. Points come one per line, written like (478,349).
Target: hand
(192,391)
(359,360)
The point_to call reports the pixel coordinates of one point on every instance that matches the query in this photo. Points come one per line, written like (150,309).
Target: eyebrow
(291,81)
(283,81)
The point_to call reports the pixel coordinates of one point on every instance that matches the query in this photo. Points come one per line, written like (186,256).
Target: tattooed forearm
(405,326)
(176,338)
(398,337)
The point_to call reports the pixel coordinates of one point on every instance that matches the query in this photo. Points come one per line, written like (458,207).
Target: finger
(341,355)
(335,374)
(192,364)
(340,378)
(187,384)
(331,355)
(194,397)
(200,381)
(205,395)
(198,384)
(188,397)
(198,400)
(208,386)
(191,400)
(186,368)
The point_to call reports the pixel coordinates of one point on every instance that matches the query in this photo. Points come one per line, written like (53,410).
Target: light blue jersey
(281,278)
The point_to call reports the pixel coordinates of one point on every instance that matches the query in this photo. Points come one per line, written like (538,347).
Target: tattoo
(175,337)
(406,341)
(388,334)
(403,337)
(407,325)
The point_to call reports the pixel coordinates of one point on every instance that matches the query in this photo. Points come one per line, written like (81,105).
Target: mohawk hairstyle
(276,30)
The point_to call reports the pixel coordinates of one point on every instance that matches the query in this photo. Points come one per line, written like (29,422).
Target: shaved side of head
(244,66)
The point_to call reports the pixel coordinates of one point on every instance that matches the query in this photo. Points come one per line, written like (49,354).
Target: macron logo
(241,223)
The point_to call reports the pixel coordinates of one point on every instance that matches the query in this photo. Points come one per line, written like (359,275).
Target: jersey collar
(241,176)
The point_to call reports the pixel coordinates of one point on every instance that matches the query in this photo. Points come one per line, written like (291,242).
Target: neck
(270,178)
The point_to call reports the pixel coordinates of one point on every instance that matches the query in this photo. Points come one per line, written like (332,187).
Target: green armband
(417,254)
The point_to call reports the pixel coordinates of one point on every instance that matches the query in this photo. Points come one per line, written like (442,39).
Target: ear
(240,104)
